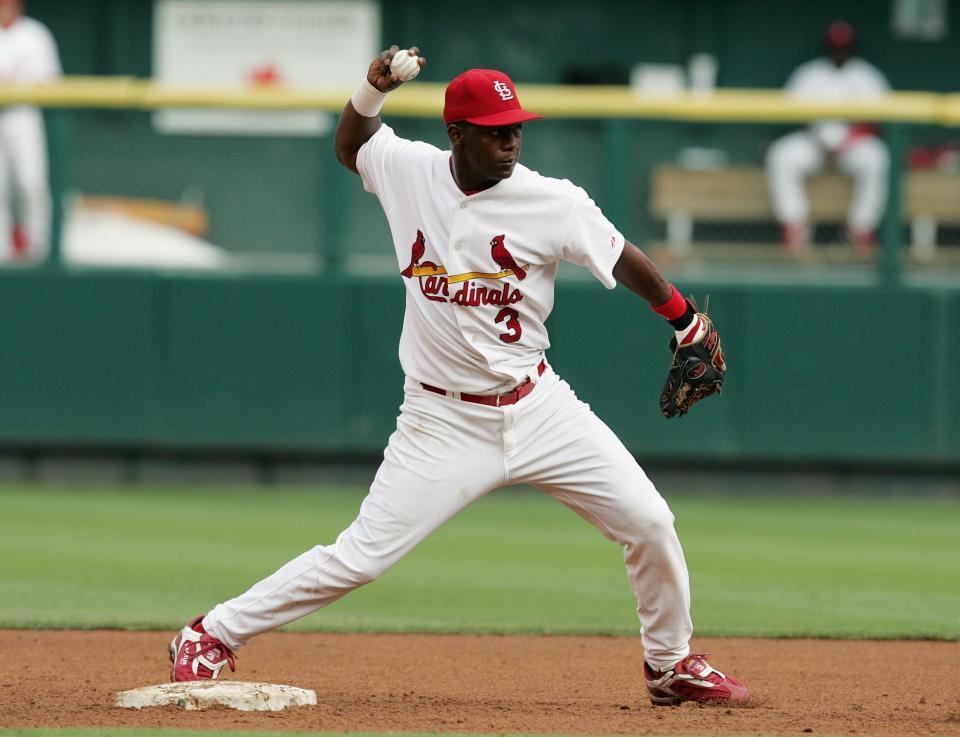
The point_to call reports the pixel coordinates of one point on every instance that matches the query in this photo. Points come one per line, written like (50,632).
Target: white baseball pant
(23,161)
(795,156)
(447,453)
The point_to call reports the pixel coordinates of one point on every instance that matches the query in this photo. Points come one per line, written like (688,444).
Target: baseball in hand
(404,65)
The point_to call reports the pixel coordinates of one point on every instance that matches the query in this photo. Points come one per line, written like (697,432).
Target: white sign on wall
(920,20)
(290,44)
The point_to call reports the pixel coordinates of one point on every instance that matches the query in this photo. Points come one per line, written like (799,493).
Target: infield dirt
(455,683)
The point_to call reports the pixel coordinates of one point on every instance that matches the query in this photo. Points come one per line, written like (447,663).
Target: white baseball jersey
(28,53)
(480,269)
(821,79)
(28,56)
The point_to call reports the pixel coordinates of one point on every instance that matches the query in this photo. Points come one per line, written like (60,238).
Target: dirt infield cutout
(455,683)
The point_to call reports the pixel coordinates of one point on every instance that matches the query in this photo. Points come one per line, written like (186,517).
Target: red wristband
(674,307)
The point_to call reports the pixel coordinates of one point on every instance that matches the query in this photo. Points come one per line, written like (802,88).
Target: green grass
(514,562)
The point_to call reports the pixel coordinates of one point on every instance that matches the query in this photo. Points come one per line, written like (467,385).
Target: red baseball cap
(840,35)
(484,97)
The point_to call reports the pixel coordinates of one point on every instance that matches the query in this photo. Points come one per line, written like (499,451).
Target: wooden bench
(188,217)
(739,194)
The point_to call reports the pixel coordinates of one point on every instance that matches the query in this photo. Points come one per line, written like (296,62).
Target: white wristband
(368,100)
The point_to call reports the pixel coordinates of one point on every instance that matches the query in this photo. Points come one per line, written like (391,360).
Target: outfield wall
(286,363)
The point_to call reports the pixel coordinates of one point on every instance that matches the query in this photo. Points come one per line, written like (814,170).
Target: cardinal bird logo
(503,258)
(417,250)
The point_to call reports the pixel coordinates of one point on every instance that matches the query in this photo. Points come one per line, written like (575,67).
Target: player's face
(840,55)
(9,11)
(485,155)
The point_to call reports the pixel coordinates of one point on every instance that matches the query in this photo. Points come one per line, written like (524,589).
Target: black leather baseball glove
(697,371)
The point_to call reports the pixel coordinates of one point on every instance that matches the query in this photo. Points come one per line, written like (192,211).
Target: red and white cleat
(197,656)
(693,679)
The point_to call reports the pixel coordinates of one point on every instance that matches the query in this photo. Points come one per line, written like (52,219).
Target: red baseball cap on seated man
(484,97)
(840,35)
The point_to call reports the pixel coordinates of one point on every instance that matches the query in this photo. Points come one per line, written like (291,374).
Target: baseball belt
(494,400)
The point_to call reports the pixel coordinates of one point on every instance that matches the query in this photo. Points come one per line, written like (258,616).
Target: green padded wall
(274,364)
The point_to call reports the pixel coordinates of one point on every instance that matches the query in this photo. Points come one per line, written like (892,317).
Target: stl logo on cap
(484,97)
(503,89)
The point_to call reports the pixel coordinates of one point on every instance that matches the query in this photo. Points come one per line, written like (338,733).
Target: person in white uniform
(28,56)
(478,237)
(854,149)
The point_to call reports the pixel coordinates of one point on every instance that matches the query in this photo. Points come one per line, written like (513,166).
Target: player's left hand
(697,371)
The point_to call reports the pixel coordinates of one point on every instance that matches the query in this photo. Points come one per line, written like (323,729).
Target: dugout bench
(189,217)
(682,196)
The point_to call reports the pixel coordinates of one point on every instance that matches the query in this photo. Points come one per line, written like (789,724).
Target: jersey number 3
(512,318)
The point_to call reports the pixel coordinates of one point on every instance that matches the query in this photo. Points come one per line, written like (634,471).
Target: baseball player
(28,56)
(478,237)
(854,149)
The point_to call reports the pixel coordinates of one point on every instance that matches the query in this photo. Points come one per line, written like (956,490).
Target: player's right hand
(379,74)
